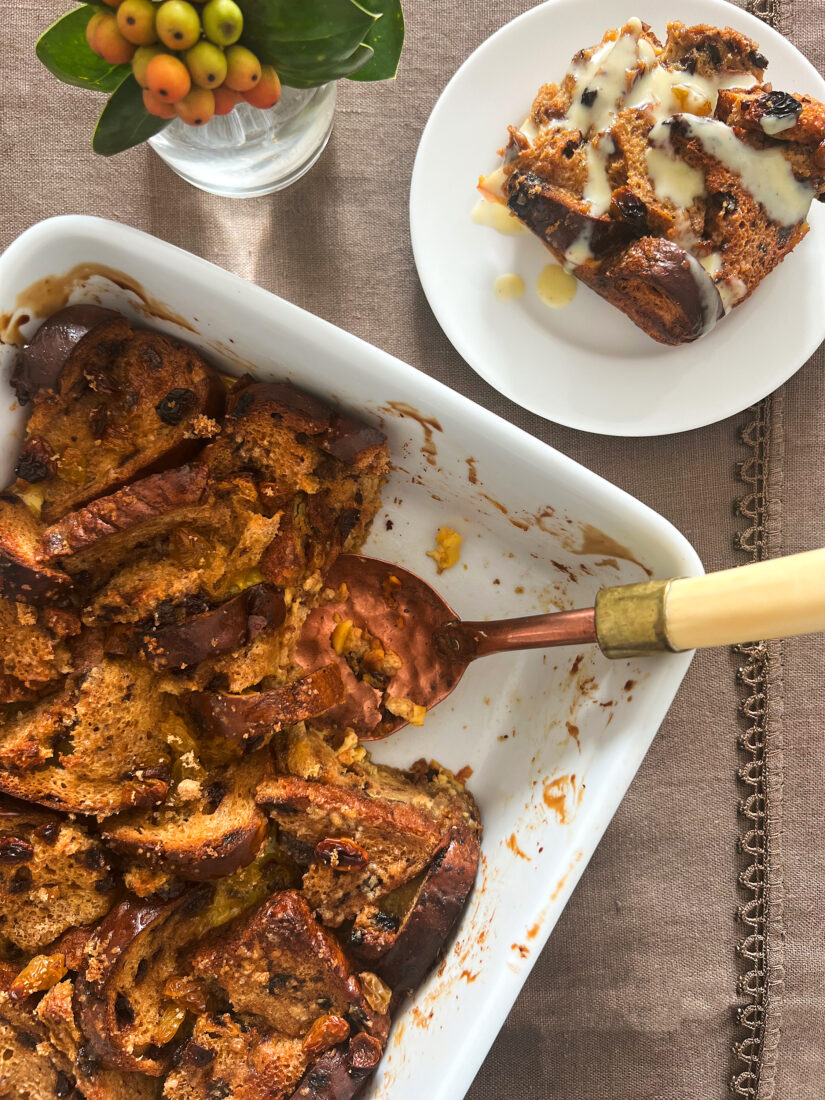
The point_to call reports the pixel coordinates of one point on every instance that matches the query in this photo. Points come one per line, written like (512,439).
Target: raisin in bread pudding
(669,178)
(201,894)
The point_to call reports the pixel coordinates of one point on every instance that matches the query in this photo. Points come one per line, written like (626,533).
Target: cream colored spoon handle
(769,599)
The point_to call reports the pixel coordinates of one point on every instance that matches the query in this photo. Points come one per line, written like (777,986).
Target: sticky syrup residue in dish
(560,796)
(509,287)
(555,286)
(594,541)
(52,292)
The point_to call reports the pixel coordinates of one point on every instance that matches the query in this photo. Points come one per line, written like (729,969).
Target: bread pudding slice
(669,178)
(109,404)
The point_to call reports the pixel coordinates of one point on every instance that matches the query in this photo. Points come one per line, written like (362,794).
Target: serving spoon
(769,599)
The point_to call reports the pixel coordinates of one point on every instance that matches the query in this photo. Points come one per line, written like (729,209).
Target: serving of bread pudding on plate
(202,895)
(669,178)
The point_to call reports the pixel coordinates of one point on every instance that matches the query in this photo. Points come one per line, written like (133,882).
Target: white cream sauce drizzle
(498,217)
(772,125)
(708,293)
(764,172)
(508,287)
(673,180)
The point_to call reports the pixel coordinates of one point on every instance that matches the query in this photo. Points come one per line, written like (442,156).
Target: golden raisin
(169,1023)
(377,994)
(42,972)
(326,1032)
(341,854)
(187,992)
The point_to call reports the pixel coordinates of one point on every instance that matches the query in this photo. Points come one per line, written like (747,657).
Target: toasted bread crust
(202,838)
(25,572)
(96,747)
(119,409)
(105,530)
(121,1013)
(249,721)
(221,629)
(53,876)
(341,1073)
(83,331)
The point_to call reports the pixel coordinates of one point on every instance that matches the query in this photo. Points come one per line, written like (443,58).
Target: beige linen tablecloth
(693,951)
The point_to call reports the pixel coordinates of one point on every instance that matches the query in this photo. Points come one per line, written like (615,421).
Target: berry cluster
(187,59)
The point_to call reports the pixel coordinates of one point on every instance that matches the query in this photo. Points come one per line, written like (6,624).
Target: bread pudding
(202,895)
(669,178)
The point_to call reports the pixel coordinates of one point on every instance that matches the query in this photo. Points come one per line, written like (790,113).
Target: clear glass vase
(249,151)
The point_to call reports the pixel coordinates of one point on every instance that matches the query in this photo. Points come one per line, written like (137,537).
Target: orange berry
(143,55)
(113,3)
(109,43)
(225,100)
(156,106)
(136,22)
(197,108)
(92,25)
(267,91)
(167,78)
(243,69)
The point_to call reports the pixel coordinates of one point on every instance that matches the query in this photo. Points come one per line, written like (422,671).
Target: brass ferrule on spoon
(631,619)
(779,598)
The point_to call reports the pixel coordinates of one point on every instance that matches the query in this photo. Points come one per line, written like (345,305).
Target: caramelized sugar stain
(568,572)
(472,472)
(513,845)
(429,424)
(560,796)
(594,541)
(495,503)
(573,730)
(52,293)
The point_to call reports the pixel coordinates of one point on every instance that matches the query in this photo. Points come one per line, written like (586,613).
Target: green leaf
(64,51)
(308,55)
(298,79)
(303,20)
(125,122)
(386,38)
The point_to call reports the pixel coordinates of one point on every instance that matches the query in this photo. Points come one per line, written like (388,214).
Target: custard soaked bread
(114,406)
(201,896)
(669,178)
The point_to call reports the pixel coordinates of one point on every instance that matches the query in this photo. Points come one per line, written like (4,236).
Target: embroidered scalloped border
(760,983)
(752,675)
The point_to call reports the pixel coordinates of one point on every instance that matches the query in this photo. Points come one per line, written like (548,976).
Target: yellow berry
(267,91)
(167,78)
(243,69)
(136,22)
(197,108)
(222,22)
(178,24)
(206,64)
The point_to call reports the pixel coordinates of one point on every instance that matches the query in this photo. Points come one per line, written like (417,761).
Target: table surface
(692,951)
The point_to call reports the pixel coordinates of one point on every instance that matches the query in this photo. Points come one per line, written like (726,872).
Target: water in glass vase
(249,151)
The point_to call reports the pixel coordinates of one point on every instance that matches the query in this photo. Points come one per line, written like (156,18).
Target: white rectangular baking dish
(554,739)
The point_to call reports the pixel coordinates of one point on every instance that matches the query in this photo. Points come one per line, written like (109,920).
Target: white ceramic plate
(540,532)
(587,365)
